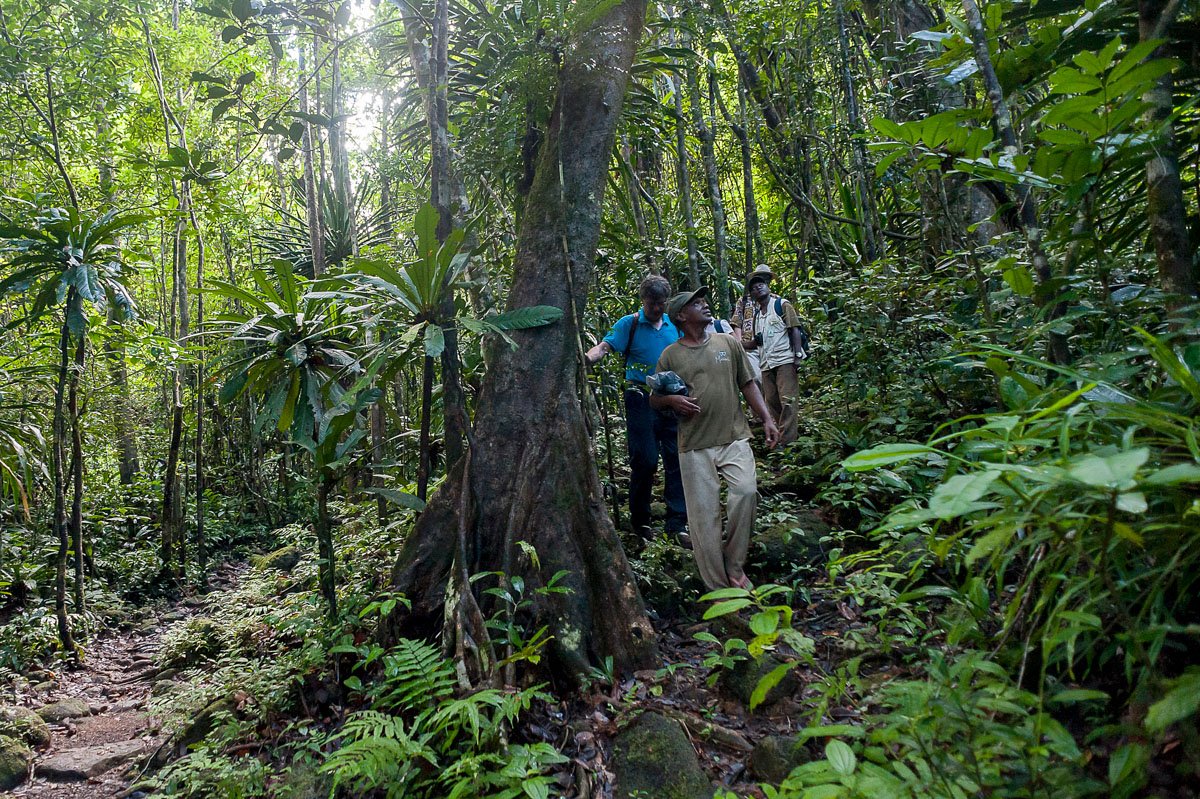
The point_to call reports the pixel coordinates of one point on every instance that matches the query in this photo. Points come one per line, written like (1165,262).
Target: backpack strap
(779,307)
(632,333)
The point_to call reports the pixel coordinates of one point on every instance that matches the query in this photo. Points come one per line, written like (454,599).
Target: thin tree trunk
(716,202)
(530,475)
(1164,188)
(60,494)
(201,542)
(858,148)
(312,196)
(325,551)
(684,184)
(425,456)
(1027,207)
(76,527)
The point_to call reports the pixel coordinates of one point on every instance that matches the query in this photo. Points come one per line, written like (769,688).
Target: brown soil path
(94,755)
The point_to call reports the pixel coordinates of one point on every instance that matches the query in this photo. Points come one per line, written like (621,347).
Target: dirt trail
(94,749)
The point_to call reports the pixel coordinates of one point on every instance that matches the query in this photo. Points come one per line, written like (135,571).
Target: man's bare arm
(597,353)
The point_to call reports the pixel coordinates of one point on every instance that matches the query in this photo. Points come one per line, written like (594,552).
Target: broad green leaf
(1019,280)
(1179,703)
(959,494)
(1078,695)
(1111,471)
(841,757)
(525,318)
(435,340)
(768,682)
(725,608)
(883,455)
(1173,475)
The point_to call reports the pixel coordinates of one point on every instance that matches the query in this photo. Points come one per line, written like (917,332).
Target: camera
(758,339)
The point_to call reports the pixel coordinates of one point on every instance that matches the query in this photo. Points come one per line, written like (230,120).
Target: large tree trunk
(530,476)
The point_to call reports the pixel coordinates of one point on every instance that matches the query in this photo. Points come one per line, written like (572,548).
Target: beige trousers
(720,559)
(780,388)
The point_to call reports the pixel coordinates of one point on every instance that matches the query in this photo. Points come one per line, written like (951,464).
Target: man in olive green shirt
(714,439)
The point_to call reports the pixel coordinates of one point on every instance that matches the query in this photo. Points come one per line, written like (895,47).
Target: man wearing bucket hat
(714,439)
(771,330)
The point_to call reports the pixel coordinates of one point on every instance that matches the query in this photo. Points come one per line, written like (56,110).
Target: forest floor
(101,730)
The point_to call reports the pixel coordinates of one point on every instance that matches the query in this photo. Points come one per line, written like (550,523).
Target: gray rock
(88,761)
(775,756)
(69,708)
(48,685)
(25,725)
(742,679)
(14,762)
(654,757)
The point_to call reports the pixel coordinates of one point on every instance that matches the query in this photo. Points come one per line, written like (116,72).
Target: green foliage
(771,625)
(207,773)
(421,740)
(62,256)
(964,730)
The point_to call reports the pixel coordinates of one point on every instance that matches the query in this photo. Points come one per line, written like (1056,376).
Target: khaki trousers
(780,388)
(720,559)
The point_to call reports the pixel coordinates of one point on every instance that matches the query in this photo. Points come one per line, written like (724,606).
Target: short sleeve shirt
(645,343)
(714,372)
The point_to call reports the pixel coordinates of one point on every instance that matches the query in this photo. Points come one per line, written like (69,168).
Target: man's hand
(771,431)
(683,406)
(748,342)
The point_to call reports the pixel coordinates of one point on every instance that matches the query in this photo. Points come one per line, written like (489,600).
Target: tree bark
(530,476)
(60,493)
(76,526)
(705,132)
(1058,350)
(312,190)
(684,183)
(1164,188)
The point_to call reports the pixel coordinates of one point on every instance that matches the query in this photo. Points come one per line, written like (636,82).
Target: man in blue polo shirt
(641,338)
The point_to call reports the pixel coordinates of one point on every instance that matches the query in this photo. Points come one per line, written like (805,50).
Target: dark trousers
(652,434)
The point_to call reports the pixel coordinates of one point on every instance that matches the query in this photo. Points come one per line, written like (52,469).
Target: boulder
(283,559)
(775,756)
(797,540)
(88,761)
(653,757)
(25,725)
(742,679)
(199,639)
(70,708)
(15,757)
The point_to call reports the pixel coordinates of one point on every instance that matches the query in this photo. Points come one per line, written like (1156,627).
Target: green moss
(775,756)
(14,762)
(24,725)
(283,559)
(654,758)
(742,679)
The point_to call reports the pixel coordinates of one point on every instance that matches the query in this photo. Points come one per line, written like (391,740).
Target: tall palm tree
(68,261)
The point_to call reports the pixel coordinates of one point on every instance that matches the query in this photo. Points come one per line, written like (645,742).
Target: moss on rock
(775,756)
(198,639)
(24,725)
(743,678)
(15,757)
(653,757)
(70,708)
(283,559)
